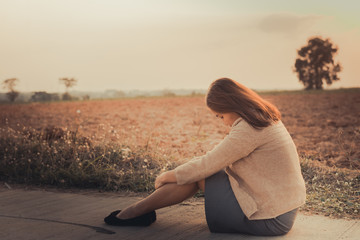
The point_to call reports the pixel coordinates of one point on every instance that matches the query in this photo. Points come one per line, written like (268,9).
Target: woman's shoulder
(241,125)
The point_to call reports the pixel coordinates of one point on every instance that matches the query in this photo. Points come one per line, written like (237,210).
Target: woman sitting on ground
(252,180)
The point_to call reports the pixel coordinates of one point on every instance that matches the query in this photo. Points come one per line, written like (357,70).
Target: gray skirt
(224,215)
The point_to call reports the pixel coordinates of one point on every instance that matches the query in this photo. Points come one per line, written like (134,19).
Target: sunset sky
(170,44)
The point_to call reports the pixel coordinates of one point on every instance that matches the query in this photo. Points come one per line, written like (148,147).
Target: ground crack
(347,230)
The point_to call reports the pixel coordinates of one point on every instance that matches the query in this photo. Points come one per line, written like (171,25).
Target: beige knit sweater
(262,165)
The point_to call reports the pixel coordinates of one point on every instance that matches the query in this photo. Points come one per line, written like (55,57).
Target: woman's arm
(164,178)
(239,143)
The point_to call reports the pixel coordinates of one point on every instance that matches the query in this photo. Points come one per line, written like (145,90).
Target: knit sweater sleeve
(239,143)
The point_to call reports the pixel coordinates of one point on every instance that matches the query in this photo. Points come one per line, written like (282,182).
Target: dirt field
(325,126)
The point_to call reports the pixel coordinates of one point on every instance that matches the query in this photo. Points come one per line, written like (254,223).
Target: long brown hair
(226,95)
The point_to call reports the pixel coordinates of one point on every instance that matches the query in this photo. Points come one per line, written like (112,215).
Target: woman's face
(228,118)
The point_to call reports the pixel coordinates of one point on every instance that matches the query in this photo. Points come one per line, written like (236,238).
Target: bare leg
(167,195)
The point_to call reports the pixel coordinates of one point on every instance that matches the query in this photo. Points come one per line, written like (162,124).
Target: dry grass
(61,158)
(331,191)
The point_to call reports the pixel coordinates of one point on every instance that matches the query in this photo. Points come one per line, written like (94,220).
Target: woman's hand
(164,178)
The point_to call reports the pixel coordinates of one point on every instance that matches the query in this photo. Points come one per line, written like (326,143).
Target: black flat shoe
(143,220)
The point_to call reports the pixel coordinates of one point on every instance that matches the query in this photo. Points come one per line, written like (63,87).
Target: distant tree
(86,97)
(44,97)
(114,94)
(66,97)
(12,95)
(168,93)
(119,94)
(68,82)
(315,64)
(10,84)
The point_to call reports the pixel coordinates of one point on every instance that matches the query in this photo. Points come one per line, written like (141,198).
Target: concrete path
(51,214)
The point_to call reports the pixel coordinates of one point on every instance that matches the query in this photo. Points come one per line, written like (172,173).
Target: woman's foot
(143,220)
(129,212)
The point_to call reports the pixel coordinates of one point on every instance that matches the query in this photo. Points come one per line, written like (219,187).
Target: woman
(252,180)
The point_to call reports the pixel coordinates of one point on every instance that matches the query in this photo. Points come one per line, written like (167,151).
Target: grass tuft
(332,192)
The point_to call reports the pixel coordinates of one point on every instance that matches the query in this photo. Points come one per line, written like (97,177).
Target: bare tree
(10,84)
(68,82)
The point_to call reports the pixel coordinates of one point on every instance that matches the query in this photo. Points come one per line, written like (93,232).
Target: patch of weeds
(332,192)
(61,158)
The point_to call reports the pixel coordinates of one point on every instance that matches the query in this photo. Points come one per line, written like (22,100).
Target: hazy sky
(170,44)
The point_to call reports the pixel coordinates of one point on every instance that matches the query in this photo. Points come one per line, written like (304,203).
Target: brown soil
(325,127)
